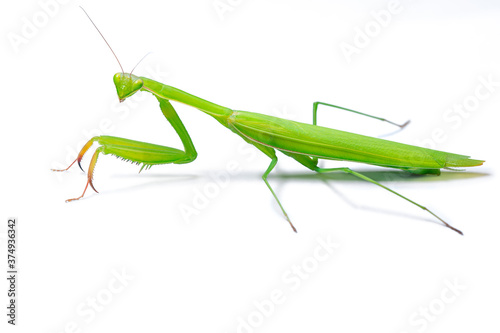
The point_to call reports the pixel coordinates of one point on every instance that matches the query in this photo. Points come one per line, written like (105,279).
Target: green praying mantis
(306,143)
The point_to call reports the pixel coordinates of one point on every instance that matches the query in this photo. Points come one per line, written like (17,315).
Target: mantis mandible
(306,143)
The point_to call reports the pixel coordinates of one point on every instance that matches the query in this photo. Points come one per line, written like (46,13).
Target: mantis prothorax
(306,143)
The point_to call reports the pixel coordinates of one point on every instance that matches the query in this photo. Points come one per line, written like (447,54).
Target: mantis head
(127,85)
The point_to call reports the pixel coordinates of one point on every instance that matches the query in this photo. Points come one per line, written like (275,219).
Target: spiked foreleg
(138,152)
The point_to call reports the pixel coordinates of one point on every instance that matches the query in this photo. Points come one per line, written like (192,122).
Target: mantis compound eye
(137,85)
(117,78)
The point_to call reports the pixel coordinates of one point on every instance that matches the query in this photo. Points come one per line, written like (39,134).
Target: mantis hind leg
(315,116)
(311,163)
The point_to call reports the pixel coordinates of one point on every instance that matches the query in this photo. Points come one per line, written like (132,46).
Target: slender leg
(312,164)
(315,111)
(315,116)
(264,177)
(274,160)
(357,174)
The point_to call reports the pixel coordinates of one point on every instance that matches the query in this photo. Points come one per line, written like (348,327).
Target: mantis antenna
(139,63)
(104,39)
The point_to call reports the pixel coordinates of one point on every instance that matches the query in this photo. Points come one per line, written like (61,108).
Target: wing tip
(464,162)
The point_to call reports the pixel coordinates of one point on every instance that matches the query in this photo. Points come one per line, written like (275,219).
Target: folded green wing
(327,143)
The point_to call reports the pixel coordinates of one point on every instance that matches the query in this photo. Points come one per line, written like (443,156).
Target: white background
(206,272)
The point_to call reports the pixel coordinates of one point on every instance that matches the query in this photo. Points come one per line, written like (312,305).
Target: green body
(306,143)
(291,137)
